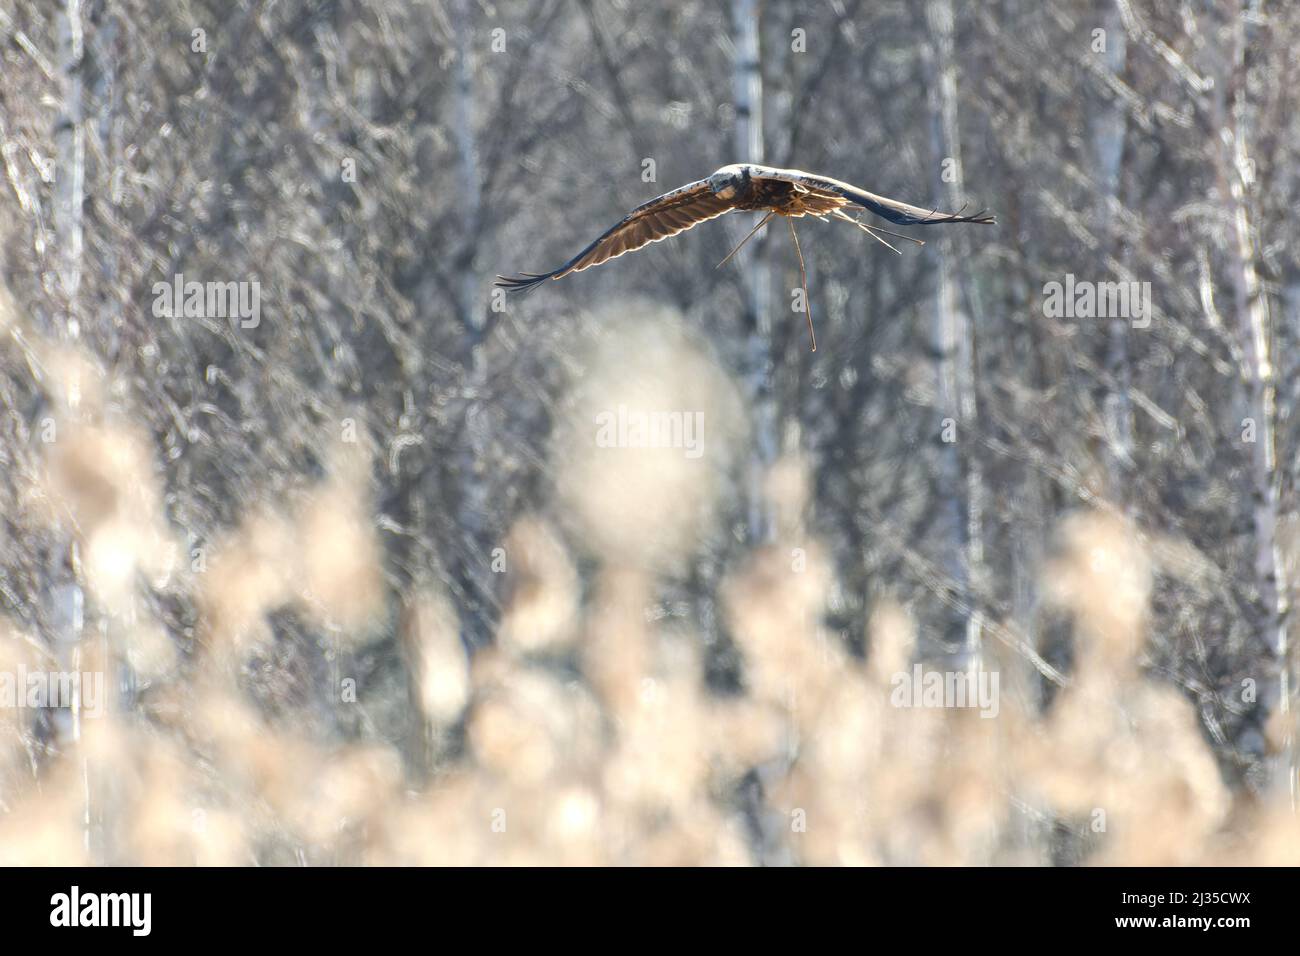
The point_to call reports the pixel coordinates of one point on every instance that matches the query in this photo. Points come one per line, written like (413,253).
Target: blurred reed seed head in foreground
(435,654)
(341,559)
(542,590)
(1102,575)
(1118,750)
(320,554)
(102,481)
(645,446)
(586,732)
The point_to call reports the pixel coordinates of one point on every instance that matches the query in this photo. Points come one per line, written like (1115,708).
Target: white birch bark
(467,178)
(1254,327)
(748,80)
(473,474)
(67,598)
(953,342)
(1109,131)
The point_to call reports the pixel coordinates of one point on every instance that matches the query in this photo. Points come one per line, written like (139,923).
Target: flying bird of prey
(778,192)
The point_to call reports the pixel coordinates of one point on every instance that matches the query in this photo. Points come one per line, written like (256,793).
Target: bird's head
(727,181)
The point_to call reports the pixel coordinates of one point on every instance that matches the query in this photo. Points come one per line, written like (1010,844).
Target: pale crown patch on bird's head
(725,181)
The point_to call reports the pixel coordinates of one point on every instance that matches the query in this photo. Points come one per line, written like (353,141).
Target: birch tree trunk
(472,476)
(748,79)
(467,178)
(67,598)
(1109,131)
(960,483)
(1254,328)
(472,468)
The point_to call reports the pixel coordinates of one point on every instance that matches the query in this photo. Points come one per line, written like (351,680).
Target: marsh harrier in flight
(778,192)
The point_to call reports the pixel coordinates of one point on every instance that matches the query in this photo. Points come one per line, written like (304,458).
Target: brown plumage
(778,192)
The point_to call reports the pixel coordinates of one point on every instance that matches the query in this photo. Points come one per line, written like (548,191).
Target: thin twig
(803,277)
(745,240)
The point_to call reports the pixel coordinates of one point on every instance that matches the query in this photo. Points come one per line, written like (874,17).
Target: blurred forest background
(367,588)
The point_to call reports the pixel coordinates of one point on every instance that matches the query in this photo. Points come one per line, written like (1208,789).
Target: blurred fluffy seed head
(617,646)
(8,311)
(76,384)
(103,479)
(321,555)
(339,555)
(1102,574)
(774,604)
(527,727)
(787,487)
(249,574)
(436,655)
(18,653)
(542,589)
(891,640)
(43,826)
(629,503)
(664,751)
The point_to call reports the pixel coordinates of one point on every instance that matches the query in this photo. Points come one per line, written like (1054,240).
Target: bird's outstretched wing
(654,221)
(901,213)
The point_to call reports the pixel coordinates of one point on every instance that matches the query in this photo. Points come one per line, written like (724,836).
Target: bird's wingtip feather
(524,282)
